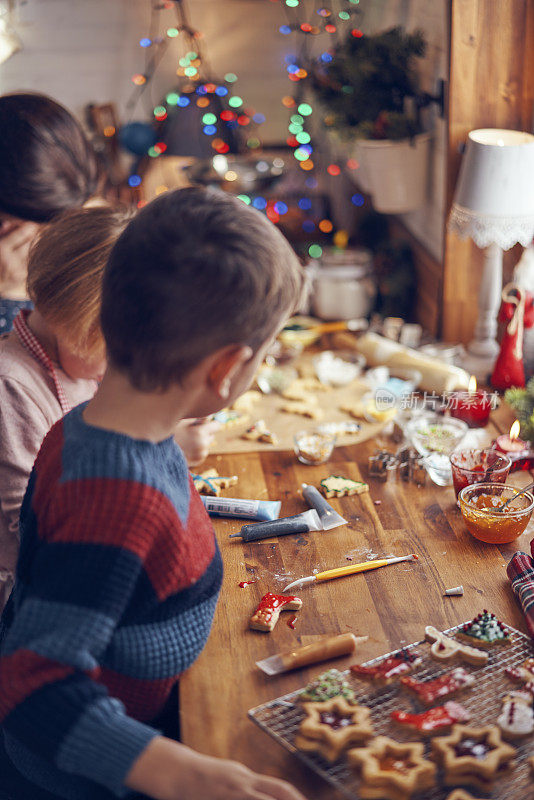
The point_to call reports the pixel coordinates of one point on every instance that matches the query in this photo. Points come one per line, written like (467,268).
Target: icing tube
(328,516)
(263,510)
(301,523)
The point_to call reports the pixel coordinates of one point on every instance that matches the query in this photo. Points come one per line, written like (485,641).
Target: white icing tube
(261,510)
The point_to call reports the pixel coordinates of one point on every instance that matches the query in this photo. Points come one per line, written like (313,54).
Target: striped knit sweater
(116,585)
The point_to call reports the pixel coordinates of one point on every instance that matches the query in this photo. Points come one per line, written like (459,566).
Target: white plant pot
(397,172)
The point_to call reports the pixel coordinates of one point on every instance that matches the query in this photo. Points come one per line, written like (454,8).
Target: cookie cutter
(407,462)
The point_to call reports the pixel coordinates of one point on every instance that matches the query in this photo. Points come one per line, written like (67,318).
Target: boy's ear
(228,363)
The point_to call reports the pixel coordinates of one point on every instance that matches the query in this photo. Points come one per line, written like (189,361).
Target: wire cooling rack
(281,718)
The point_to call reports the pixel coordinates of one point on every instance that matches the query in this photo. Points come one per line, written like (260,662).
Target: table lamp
(494,206)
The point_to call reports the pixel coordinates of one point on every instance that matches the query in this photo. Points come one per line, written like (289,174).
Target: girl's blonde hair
(65,271)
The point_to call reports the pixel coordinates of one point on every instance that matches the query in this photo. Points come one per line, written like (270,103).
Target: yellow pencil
(351,569)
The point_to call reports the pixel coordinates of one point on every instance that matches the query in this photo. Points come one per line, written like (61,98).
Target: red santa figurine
(517,310)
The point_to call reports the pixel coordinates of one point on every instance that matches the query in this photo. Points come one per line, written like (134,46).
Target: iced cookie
(329,728)
(391,769)
(210,482)
(266,615)
(461,794)
(435,720)
(445,686)
(485,630)
(337,486)
(258,433)
(523,673)
(328,685)
(472,756)
(444,648)
(385,672)
(516,719)
(228,417)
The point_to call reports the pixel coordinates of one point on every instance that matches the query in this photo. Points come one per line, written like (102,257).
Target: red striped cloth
(35,348)
(520,570)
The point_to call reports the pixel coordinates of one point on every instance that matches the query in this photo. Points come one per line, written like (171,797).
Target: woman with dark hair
(47,166)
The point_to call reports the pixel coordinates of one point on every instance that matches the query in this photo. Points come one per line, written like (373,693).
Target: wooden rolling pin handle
(331,647)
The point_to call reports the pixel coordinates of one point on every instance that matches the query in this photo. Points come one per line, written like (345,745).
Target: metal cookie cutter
(382,464)
(411,466)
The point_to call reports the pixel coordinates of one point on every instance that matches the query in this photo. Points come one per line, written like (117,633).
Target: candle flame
(514,430)
(472,385)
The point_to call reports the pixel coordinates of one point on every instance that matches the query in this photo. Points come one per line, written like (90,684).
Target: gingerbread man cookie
(438,688)
(266,615)
(444,648)
(332,726)
(258,432)
(461,794)
(337,486)
(517,715)
(485,630)
(385,672)
(304,389)
(391,769)
(305,408)
(211,483)
(435,720)
(472,756)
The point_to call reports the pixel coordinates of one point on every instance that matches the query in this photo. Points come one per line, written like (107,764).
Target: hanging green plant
(370,87)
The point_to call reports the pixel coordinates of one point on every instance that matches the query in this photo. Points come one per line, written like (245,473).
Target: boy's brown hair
(195,270)
(65,271)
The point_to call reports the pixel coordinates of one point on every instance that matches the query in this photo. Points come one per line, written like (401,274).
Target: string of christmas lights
(225,112)
(307,20)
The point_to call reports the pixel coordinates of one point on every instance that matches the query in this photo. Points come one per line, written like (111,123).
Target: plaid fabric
(520,570)
(34,347)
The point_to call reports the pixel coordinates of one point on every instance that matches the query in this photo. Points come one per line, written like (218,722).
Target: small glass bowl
(434,434)
(478,466)
(314,447)
(478,503)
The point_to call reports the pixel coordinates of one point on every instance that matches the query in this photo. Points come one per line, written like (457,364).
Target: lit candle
(472,407)
(510,443)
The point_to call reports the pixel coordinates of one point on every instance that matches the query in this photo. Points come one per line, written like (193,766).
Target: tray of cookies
(447,718)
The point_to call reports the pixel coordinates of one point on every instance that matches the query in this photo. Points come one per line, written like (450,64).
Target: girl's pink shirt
(28,408)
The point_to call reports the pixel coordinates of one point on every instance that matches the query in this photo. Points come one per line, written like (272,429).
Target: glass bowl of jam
(478,466)
(479,503)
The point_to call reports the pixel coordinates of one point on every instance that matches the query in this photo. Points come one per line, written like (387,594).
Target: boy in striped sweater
(119,570)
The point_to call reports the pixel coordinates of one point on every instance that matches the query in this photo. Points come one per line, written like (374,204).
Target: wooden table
(391,605)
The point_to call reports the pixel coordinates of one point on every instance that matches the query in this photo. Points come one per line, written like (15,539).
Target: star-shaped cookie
(472,756)
(332,726)
(392,769)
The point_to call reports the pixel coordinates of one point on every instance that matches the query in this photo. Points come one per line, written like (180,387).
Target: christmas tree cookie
(485,630)
(337,486)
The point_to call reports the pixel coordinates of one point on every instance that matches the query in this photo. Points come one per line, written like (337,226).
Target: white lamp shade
(494,198)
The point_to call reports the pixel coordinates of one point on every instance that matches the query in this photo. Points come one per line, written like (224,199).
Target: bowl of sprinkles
(436,434)
(480,505)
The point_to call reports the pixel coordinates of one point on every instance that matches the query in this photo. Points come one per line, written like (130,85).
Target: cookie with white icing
(516,719)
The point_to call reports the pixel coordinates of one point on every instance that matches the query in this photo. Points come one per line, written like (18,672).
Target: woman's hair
(65,272)
(47,166)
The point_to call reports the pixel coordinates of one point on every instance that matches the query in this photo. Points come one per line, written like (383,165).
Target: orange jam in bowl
(479,503)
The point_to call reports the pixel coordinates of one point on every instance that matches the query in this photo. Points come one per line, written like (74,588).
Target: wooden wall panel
(491,85)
